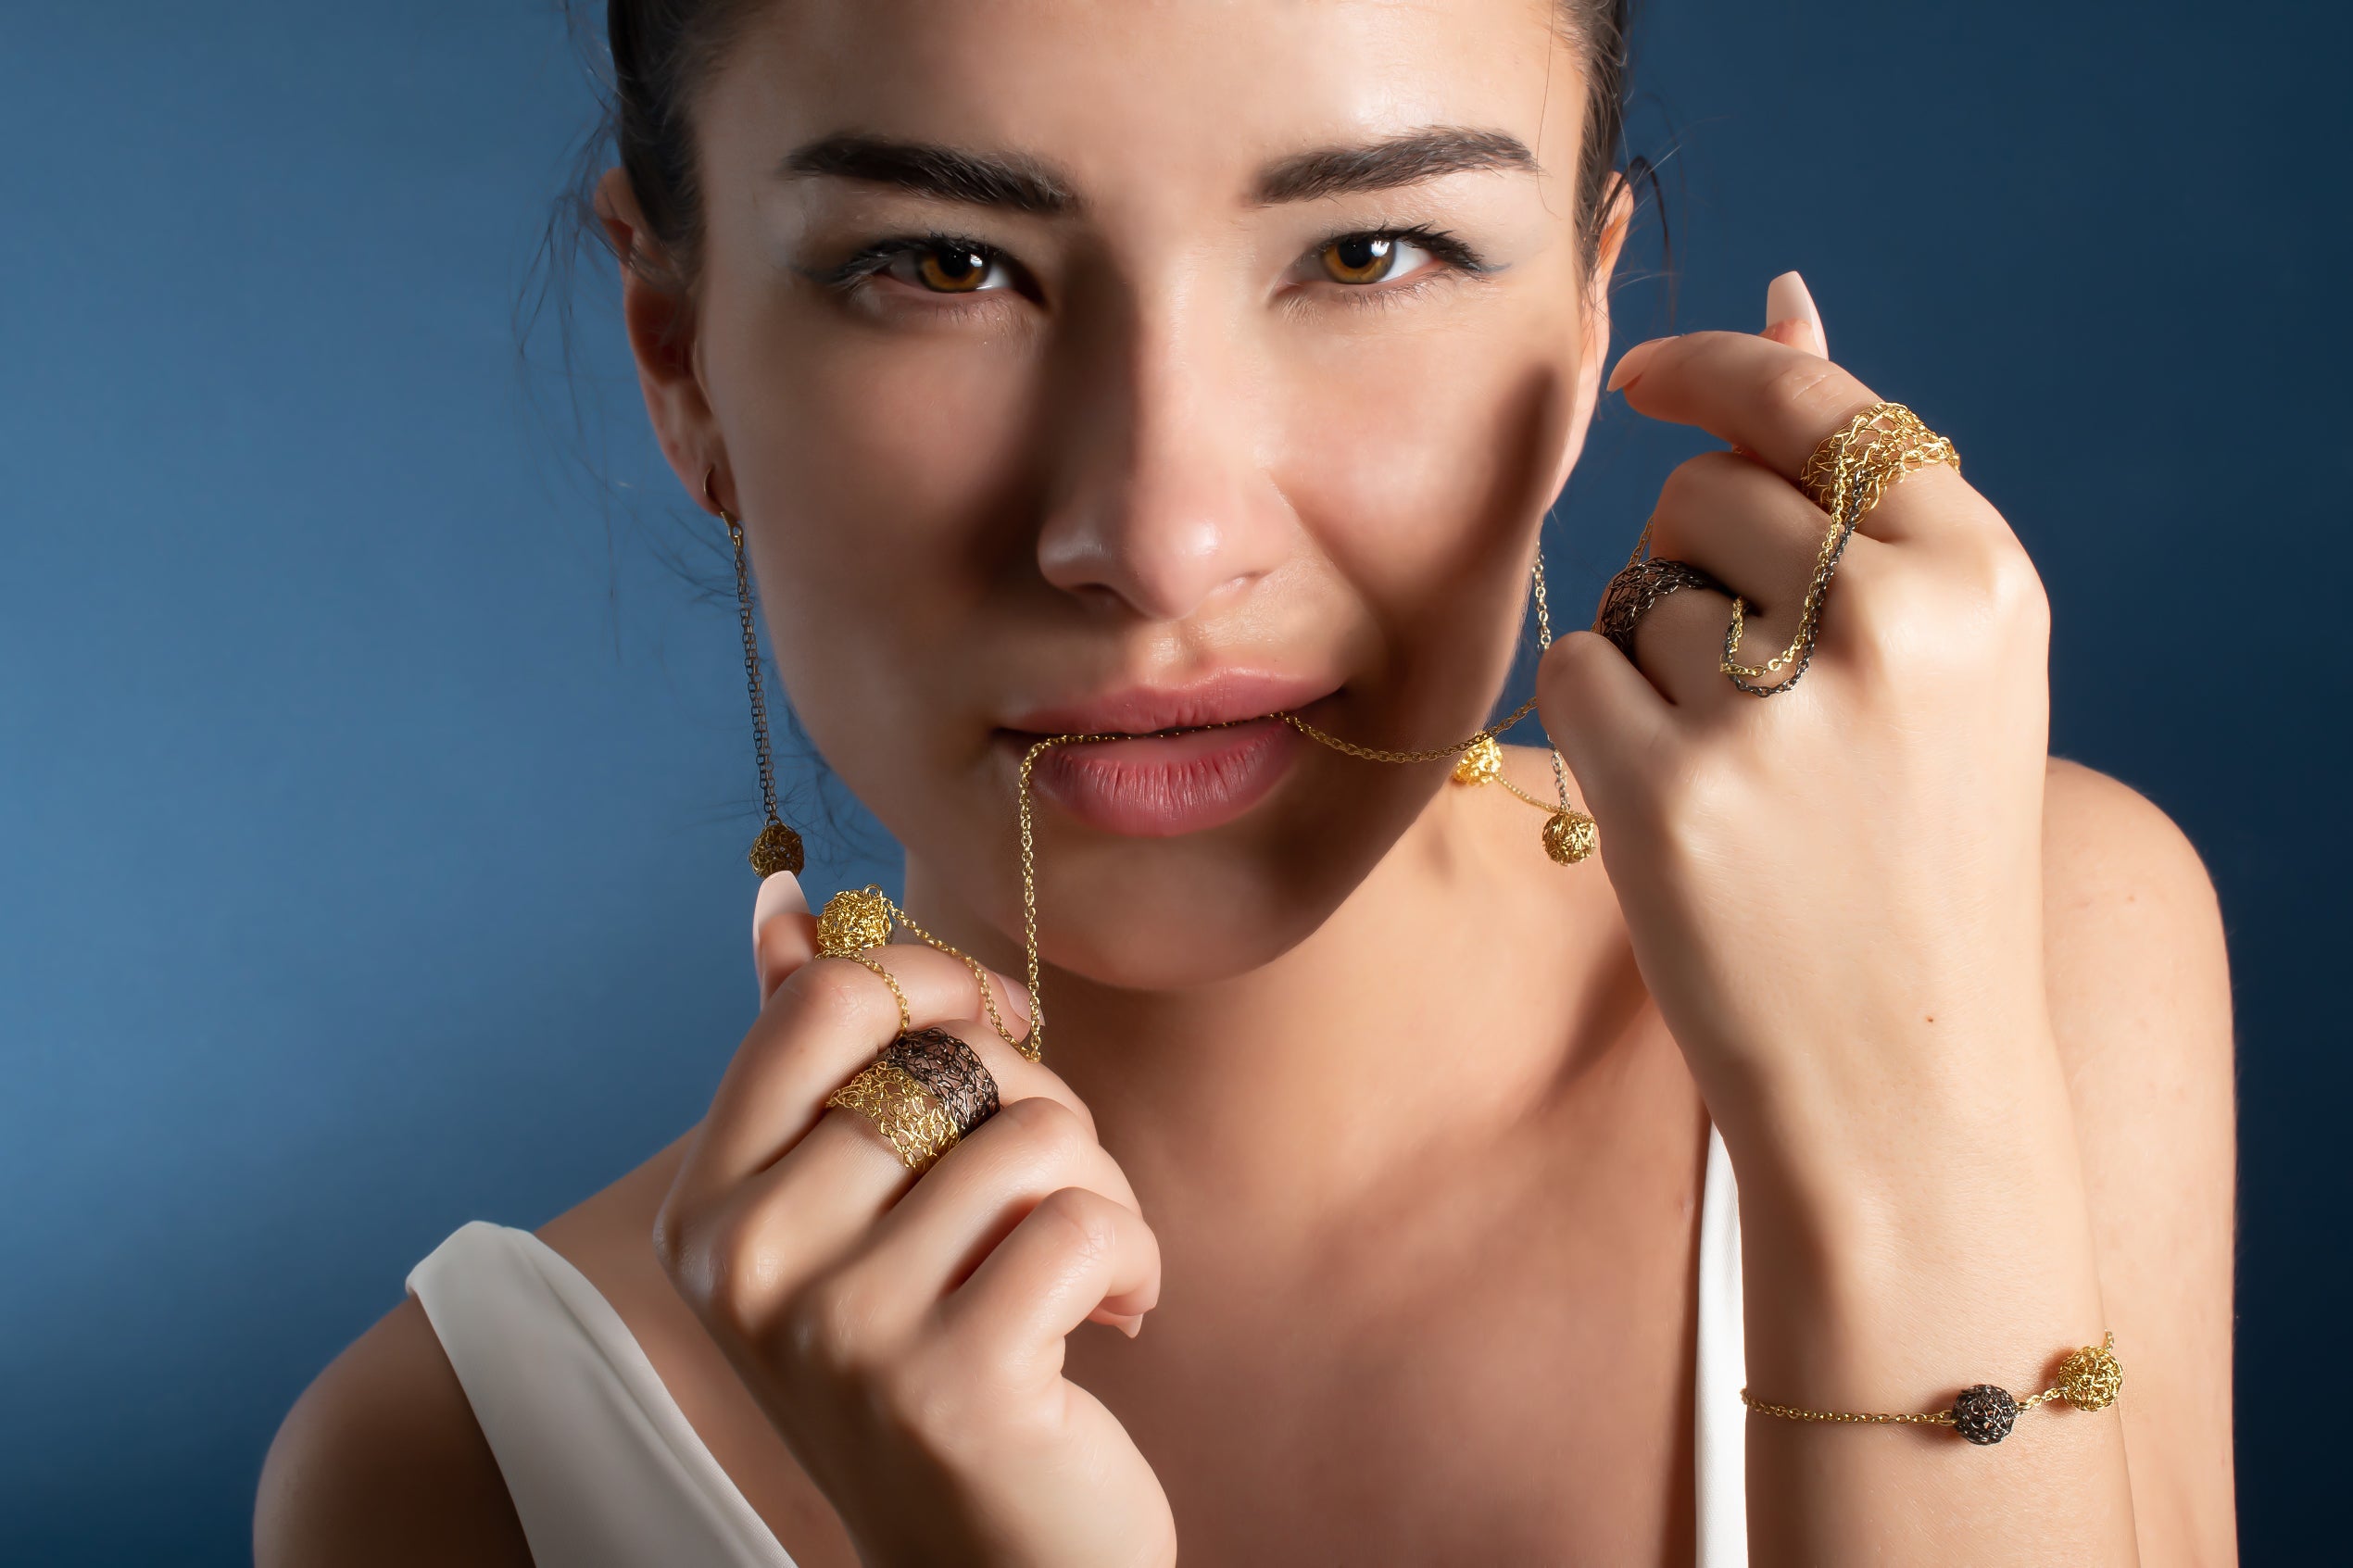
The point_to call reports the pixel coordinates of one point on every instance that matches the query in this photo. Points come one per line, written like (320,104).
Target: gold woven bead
(777,849)
(1483,763)
(854,921)
(1570,837)
(2090,1379)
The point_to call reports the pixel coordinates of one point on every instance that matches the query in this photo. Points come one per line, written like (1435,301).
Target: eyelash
(1451,254)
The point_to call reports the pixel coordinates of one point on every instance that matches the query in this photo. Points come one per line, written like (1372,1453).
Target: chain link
(751,672)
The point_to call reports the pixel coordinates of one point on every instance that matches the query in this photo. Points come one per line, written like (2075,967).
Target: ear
(1593,351)
(660,315)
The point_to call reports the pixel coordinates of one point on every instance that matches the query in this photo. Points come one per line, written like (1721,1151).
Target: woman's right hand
(905,1334)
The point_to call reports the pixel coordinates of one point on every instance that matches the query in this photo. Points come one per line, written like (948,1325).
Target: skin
(1960,1010)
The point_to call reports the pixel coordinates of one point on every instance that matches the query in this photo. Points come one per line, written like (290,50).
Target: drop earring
(778,847)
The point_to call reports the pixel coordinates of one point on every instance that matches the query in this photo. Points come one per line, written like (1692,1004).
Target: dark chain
(751,673)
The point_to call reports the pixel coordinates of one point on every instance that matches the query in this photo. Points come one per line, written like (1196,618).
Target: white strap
(605,1470)
(1720,1419)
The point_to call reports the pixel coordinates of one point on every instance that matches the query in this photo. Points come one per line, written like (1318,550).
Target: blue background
(373,780)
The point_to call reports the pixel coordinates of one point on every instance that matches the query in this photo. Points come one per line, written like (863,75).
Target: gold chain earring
(778,847)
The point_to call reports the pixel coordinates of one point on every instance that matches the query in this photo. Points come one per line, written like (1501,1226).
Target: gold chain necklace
(854,921)
(1570,834)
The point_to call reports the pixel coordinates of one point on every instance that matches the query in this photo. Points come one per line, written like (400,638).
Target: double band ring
(926,1090)
(1637,589)
(1847,473)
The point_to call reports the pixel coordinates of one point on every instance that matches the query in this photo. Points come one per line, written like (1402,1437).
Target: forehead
(1191,95)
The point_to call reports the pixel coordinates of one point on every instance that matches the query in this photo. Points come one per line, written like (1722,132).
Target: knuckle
(2019,598)
(830,990)
(829,1329)
(1048,1127)
(1080,1221)
(723,1269)
(1689,799)
(671,1231)
(1695,486)
(1810,386)
(951,1403)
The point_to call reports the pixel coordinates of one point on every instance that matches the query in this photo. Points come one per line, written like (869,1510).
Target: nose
(1163,498)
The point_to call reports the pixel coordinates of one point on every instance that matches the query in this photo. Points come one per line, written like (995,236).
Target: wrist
(1899,1241)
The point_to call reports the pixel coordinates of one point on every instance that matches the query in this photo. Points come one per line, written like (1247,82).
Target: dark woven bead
(1984,1413)
(950,1070)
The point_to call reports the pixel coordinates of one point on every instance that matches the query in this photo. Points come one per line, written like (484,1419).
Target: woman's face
(1115,366)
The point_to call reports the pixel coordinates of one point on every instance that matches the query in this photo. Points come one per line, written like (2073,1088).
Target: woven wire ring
(1637,589)
(951,1070)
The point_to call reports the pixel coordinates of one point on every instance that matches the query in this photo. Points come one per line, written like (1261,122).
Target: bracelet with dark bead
(2089,1379)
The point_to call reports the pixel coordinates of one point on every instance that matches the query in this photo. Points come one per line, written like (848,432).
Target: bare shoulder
(2138,975)
(381,1461)
(2140,996)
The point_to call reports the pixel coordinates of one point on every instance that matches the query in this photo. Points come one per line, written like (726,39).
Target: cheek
(884,476)
(1421,459)
(868,445)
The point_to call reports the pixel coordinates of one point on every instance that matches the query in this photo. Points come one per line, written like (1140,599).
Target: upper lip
(1220,699)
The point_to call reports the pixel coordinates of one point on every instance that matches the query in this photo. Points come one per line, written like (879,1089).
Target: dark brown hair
(665,52)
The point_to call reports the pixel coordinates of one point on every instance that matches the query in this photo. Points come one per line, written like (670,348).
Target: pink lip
(1161,786)
(1141,711)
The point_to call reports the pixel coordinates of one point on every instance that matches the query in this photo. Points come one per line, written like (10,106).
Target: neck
(1453,998)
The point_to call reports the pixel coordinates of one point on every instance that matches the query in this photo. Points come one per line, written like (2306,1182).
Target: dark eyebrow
(983,180)
(1384,166)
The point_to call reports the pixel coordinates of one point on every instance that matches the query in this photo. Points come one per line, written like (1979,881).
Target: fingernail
(1132,1327)
(1018,994)
(1788,299)
(1629,364)
(780,898)
(779,894)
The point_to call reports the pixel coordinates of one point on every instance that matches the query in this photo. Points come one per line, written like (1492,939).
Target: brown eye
(1359,258)
(955,269)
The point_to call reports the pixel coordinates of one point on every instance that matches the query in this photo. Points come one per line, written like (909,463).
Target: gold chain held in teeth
(854,921)
(1569,834)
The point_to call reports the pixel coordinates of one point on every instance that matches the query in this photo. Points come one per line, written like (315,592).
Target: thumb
(1791,317)
(784,933)
(1607,721)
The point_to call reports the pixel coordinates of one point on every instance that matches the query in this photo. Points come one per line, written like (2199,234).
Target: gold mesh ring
(905,1112)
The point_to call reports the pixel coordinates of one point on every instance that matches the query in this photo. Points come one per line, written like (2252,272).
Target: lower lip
(1166,786)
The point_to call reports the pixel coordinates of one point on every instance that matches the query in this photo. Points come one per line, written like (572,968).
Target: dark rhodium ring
(950,1070)
(1635,592)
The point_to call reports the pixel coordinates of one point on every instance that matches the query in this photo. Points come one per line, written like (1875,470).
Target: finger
(1790,316)
(1610,723)
(819,1201)
(1075,1254)
(824,1024)
(784,933)
(938,1235)
(1779,403)
(1743,525)
(1679,646)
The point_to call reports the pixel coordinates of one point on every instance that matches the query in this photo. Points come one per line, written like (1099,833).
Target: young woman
(1199,374)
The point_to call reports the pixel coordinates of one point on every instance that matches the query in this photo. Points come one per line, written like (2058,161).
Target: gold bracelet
(2089,1379)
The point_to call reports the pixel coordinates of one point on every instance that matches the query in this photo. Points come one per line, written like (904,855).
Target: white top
(606,1473)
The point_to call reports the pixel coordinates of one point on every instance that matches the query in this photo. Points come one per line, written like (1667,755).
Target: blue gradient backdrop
(373,785)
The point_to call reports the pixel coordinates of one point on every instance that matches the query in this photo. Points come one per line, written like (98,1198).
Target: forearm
(1894,1252)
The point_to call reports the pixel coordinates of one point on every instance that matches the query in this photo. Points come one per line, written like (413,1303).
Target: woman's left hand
(1836,896)
(1834,893)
